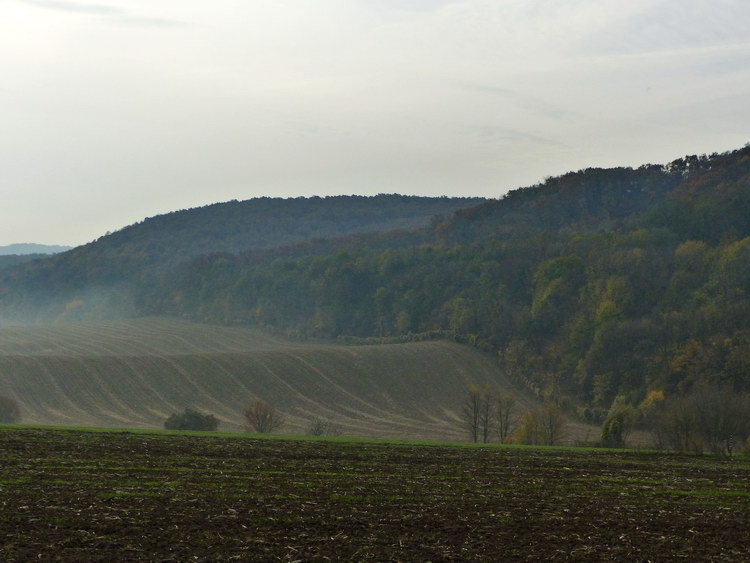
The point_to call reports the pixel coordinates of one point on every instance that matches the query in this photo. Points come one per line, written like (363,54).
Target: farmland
(70,495)
(134,373)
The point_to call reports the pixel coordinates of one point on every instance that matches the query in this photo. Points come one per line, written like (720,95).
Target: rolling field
(134,373)
(88,496)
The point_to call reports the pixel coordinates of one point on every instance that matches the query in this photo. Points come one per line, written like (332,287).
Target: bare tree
(707,418)
(471,412)
(675,425)
(553,424)
(486,412)
(323,427)
(722,416)
(262,417)
(543,426)
(528,431)
(504,406)
(479,412)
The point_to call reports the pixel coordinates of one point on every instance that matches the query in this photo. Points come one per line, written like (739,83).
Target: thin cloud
(148,22)
(504,134)
(75,7)
(522,101)
(111,13)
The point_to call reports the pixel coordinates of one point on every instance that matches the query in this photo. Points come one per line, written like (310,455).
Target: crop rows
(135,373)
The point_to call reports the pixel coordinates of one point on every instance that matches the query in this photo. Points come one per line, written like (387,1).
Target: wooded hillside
(596,285)
(97,280)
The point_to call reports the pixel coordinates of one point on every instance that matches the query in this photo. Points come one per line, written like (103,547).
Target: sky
(112,111)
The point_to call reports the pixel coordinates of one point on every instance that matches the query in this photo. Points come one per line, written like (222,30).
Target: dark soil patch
(119,496)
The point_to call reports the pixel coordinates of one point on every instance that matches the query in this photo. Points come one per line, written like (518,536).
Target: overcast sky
(113,110)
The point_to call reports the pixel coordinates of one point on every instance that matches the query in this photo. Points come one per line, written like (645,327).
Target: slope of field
(134,373)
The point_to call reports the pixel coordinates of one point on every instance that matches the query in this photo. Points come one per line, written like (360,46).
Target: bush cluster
(190,419)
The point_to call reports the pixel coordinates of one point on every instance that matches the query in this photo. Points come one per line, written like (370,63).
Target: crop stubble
(119,496)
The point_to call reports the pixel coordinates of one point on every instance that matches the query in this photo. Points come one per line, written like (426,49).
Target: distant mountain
(32,248)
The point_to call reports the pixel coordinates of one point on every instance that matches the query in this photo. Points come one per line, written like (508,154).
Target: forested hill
(593,286)
(592,199)
(96,279)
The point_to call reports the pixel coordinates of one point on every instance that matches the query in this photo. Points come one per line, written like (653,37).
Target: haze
(112,111)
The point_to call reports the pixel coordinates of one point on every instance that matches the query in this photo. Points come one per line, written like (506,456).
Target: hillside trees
(128,263)
(708,418)
(582,317)
(593,287)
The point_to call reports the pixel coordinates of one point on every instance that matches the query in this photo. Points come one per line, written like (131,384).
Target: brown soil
(74,496)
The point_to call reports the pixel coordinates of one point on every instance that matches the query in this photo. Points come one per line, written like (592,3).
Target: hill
(594,288)
(134,373)
(96,280)
(16,259)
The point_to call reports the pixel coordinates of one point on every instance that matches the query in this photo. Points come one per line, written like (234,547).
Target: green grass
(305,438)
(737,458)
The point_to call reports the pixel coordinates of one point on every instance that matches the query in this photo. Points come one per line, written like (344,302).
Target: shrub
(618,424)
(262,417)
(322,427)
(10,412)
(190,419)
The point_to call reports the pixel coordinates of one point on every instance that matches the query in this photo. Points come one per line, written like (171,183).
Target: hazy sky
(113,110)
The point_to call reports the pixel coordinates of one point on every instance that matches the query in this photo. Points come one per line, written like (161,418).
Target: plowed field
(135,373)
(76,496)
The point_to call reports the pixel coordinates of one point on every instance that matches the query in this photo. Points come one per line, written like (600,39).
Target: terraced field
(134,373)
